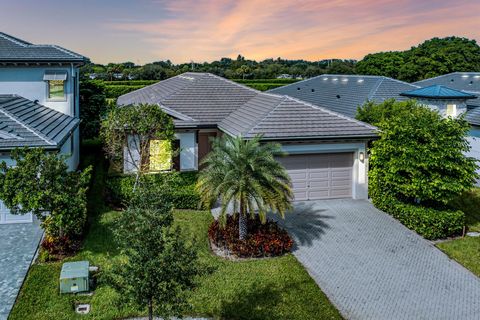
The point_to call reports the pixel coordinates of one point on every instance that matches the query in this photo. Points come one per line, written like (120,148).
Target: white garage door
(6,217)
(320,176)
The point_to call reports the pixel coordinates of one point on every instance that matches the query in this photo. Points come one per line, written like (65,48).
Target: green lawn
(276,288)
(467,250)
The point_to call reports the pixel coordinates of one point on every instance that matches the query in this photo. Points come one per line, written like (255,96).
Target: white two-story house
(39,102)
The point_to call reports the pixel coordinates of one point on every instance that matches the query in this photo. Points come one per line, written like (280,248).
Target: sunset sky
(203,30)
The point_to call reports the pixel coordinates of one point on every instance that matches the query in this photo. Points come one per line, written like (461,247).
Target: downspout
(74,90)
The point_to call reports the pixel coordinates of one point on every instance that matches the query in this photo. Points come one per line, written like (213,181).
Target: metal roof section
(465,81)
(345,93)
(438,92)
(14,50)
(473,116)
(24,123)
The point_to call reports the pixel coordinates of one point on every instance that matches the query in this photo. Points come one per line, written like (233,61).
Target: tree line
(431,58)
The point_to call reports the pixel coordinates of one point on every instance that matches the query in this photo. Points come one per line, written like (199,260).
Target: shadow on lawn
(305,223)
(254,303)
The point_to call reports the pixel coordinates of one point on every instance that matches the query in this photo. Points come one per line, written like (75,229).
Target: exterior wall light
(361,156)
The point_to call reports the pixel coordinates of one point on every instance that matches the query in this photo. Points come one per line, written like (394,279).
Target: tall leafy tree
(431,58)
(159,267)
(41,183)
(243,174)
(420,157)
(93,106)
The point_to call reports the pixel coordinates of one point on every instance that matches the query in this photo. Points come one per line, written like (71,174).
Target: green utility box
(74,277)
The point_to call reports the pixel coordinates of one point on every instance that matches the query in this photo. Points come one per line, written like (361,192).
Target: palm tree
(244,173)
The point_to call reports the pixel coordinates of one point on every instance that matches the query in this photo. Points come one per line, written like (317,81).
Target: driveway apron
(372,267)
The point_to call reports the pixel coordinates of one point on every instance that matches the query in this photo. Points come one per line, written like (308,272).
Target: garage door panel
(300,184)
(341,193)
(319,184)
(344,173)
(320,176)
(300,194)
(318,194)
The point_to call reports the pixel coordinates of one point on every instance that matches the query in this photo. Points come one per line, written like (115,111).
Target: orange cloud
(206,30)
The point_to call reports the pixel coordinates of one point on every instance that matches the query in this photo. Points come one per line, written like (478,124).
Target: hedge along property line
(276,81)
(428,222)
(181,186)
(115,91)
(130,82)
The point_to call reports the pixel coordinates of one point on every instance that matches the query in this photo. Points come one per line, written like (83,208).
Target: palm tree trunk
(242,223)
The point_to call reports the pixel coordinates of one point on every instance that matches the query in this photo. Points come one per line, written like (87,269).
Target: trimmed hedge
(118,90)
(130,82)
(264,86)
(428,222)
(181,186)
(276,81)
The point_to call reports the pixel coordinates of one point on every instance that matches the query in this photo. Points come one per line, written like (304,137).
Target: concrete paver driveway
(18,243)
(372,267)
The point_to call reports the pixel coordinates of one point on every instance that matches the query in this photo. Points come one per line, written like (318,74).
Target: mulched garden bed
(263,240)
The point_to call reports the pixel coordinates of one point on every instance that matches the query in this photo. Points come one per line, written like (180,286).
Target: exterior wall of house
(188,152)
(28,82)
(204,144)
(441,105)
(360,168)
(71,147)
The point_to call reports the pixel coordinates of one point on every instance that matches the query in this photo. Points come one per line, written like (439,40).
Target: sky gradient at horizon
(143,31)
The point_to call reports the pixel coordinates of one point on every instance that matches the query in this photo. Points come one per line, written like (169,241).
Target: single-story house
(39,103)
(327,155)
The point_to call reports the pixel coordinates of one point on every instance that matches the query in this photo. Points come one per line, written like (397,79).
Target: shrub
(274,81)
(56,248)
(130,82)
(431,223)
(180,188)
(262,240)
(264,86)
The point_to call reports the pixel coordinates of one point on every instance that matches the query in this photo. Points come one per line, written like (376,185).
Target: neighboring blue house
(468,82)
(447,101)
(39,102)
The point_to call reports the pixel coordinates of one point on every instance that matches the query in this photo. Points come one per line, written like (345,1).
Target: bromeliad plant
(244,176)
